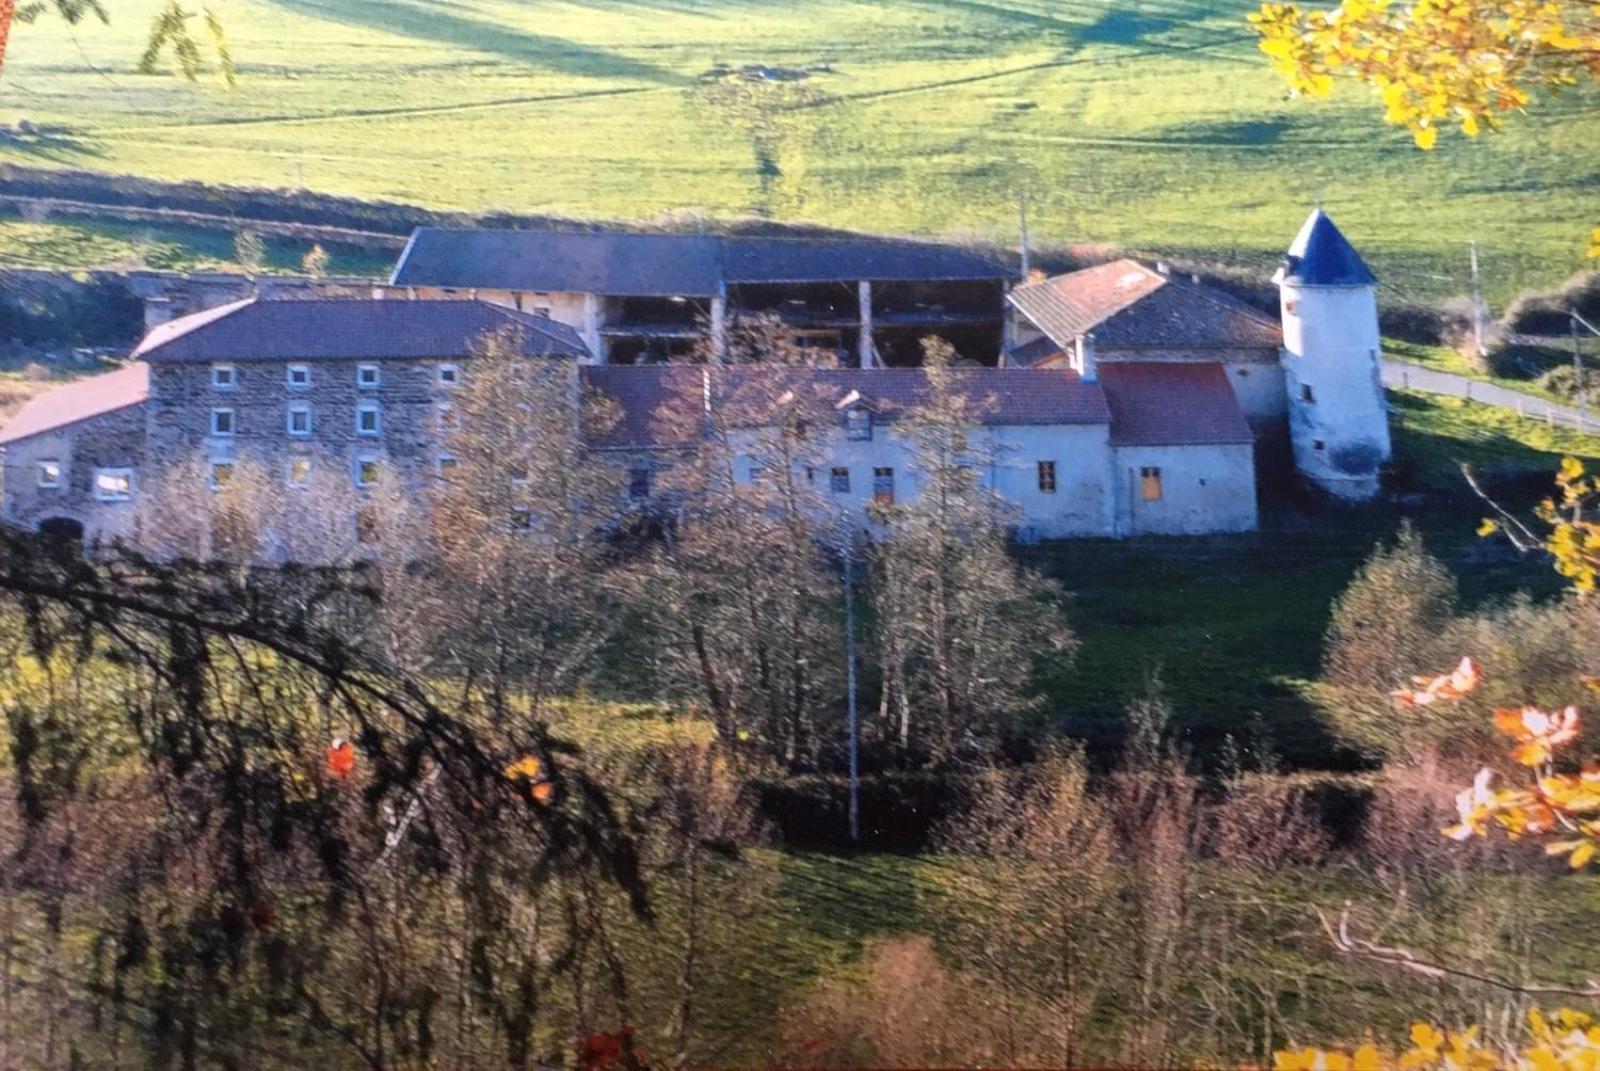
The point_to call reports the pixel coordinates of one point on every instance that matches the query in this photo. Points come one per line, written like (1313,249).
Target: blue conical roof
(1321,256)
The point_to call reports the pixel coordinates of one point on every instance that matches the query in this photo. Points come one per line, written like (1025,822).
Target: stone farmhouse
(1113,401)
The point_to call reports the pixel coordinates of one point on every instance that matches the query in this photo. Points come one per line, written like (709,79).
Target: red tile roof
(1158,403)
(1126,305)
(656,402)
(73,402)
(335,328)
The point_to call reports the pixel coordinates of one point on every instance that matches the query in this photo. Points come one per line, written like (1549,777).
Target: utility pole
(1577,373)
(1022,230)
(1477,303)
(848,546)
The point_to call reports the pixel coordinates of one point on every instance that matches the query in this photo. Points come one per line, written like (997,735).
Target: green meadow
(1154,125)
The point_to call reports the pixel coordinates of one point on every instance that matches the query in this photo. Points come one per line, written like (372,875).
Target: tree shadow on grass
(430,22)
(61,144)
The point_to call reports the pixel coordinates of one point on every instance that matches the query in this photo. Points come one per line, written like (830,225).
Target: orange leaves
(1451,687)
(526,768)
(341,758)
(1537,734)
(603,1051)
(528,773)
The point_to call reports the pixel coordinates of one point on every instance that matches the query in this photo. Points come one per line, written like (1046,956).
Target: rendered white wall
(1203,489)
(1331,343)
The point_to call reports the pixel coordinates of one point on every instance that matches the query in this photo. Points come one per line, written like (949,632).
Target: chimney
(1082,358)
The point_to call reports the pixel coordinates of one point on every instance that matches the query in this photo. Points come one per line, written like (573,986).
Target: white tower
(1338,421)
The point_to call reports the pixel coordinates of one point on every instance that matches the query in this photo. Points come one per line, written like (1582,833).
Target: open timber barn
(645,298)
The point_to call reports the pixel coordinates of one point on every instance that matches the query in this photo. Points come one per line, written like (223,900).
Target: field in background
(1154,125)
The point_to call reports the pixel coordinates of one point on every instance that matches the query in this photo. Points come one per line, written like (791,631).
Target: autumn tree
(744,597)
(1434,65)
(960,625)
(170,33)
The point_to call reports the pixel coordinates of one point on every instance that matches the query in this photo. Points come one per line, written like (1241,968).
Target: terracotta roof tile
(649,397)
(1126,305)
(92,397)
(1156,403)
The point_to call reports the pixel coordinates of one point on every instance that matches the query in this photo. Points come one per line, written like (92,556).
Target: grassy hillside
(1153,124)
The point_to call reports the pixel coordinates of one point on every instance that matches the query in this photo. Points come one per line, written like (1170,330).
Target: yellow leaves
(1594,243)
(1489,527)
(1571,470)
(1434,62)
(528,767)
(1570,1043)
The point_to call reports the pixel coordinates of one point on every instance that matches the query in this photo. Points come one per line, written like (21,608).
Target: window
(839,481)
(858,423)
(222,422)
(299,376)
(1047,477)
(1306,393)
(1318,444)
(113,485)
(366,471)
(221,474)
(1150,483)
(299,422)
(367,375)
(541,311)
(449,375)
(811,475)
(521,519)
(366,525)
(445,417)
(49,474)
(446,464)
(223,377)
(639,479)
(883,486)
(368,421)
(299,471)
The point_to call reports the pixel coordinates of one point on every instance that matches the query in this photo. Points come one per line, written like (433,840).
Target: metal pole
(850,688)
(1577,373)
(1477,304)
(1022,233)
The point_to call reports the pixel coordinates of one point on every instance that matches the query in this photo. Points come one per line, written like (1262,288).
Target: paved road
(1416,377)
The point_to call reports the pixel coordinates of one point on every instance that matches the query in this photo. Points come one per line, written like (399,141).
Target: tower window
(883,486)
(1047,477)
(223,377)
(299,471)
(299,375)
(839,481)
(367,419)
(367,375)
(1306,393)
(222,422)
(1318,444)
(1150,483)
(639,482)
(299,419)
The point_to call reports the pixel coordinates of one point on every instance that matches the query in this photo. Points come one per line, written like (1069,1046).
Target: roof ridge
(1218,296)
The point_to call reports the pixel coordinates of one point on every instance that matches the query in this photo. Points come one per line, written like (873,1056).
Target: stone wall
(111,440)
(409,396)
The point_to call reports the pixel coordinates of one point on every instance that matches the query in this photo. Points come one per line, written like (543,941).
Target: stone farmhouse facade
(1127,402)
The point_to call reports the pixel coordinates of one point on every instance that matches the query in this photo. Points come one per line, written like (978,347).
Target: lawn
(80,242)
(1154,124)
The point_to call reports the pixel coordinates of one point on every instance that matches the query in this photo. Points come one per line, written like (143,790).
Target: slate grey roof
(1321,256)
(1126,305)
(663,265)
(656,404)
(255,329)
